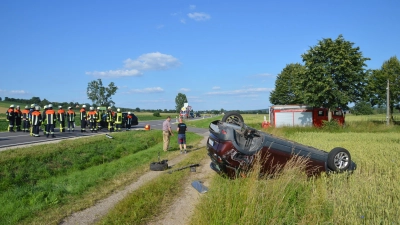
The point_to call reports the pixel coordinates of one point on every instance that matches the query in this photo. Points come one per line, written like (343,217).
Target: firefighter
(128,121)
(51,119)
(10,113)
(25,119)
(83,118)
(44,120)
(61,115)
(118,120)
(110,119)
(71,119)
(18,117)
(36,120)
(30,118)
(92,118)
(99,118)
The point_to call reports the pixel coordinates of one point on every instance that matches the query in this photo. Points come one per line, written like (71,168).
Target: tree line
(334,74)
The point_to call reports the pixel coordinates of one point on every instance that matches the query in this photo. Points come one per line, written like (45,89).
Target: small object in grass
(198,185)
(109,136)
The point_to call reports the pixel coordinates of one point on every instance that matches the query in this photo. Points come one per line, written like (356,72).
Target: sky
(220,54)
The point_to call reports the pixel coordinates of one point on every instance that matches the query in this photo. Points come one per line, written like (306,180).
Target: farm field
(368,196)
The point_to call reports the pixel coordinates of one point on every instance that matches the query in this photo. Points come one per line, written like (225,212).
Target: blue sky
(220,54)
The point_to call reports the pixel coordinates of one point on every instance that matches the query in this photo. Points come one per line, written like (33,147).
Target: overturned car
(234,148)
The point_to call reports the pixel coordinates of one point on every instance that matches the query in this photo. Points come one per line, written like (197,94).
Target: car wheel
(159,166)
(339,159)
(233,118)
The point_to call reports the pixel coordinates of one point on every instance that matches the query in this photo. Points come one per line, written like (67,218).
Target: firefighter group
(32,120)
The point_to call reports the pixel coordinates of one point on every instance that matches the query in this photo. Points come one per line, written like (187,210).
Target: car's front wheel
(339,159)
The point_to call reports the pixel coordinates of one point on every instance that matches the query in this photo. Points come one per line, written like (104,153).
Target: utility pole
(387,104)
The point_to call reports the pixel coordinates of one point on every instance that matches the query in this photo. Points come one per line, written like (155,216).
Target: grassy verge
(153,197)
(39,181)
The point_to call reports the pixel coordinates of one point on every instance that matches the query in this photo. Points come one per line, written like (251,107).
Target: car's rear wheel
(339,159)
(233,118)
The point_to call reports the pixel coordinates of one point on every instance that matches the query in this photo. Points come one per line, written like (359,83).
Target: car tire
(233,118)
(159,166)
(339,159)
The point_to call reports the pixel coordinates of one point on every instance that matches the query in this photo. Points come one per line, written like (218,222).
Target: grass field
(369,196)
(41,184)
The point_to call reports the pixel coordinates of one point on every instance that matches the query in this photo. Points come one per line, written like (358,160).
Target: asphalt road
(9,140)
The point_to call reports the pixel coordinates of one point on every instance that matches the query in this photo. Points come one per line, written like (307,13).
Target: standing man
(18,117)
(118,120)
(110,119)
(36,120)
(98,121)
(128,121)
(92,118)
(31,110)
(44,120)
(25,119)
(71,119)
(181,134)
(83,118)
(10,118)
(61,114)
(167,133)
(51,119)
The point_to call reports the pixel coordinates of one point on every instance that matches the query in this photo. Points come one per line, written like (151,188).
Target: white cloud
(199,16)
(152,61)
(216,88)
(240,91)
(147,90)
(160,26)
(116,73)
(19,92)
(149,61)
(183,21)
(192,7)
(14,92)
(184,89)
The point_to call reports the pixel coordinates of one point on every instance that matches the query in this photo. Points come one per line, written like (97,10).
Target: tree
(287,86)
(335,74)
(1,99)
(362,108)
(377,83)
(100,95)
(137,109)
(180,100)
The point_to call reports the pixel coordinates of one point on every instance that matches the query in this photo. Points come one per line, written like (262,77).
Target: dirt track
(180,210)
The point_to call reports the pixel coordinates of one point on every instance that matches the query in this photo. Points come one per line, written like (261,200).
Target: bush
(157,114)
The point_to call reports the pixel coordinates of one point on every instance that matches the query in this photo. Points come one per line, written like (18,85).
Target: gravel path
(179,212)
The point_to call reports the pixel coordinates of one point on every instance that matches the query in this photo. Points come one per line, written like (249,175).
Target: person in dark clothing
(25,119)
(61,115)
(18,118)
(10,113)
(71,119)
(36,120)
(51,119)
(83,118)
(182,128)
